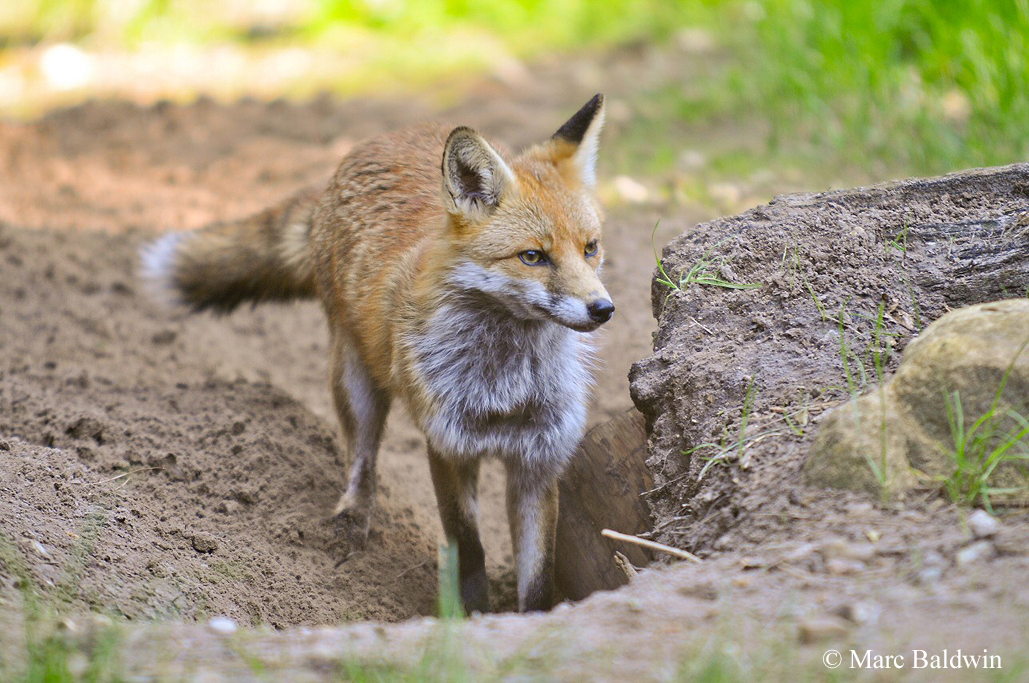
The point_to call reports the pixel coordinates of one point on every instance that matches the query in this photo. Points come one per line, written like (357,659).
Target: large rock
(904,427)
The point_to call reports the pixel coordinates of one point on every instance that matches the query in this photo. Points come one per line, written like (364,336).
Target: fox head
(526,232)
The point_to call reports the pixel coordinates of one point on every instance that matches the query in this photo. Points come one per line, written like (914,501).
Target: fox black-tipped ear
(581,134)
(475,177)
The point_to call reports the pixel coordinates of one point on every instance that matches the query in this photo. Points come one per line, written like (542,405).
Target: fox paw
(352,528)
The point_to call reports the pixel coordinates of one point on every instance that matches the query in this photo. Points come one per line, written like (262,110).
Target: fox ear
(474,175)
(579,140)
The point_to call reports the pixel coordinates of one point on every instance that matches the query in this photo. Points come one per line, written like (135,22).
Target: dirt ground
(157,464)
(173,430)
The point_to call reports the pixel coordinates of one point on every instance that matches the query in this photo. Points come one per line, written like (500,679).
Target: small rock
(753,563)
(724,542)
(223,625)
(858,509)
(840,565)
(982,524)
(814,629)
(838,548)
(859,612)
(245,496)
(86,427)
(164,337)
(228,507)
(980,550)
(929,575)
(1009,544)
(801,552)
(39,548)
(202,543)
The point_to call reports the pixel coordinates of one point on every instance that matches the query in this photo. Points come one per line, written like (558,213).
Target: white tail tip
(157,262)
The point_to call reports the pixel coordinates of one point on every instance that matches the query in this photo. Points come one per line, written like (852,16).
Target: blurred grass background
(866,89)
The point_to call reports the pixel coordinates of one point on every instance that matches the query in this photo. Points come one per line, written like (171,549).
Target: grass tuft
(50,654)
(997,437)
(704,272)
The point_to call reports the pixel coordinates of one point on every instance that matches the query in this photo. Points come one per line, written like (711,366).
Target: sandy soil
(156,464)
(171,430)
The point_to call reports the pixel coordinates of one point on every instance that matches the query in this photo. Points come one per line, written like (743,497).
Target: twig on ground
(123,474)
(410,569)
(653,545)
(702,326)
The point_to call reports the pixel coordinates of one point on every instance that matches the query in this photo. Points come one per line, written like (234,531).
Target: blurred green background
(866,89)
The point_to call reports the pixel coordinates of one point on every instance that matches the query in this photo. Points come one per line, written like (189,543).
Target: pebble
(841,565)
(815,629)
(223,625)
(202,543)
(860,612)
(857,509)
(228,507)
(753,563)
(838,548)
(164,337)
(982,524)
(929,575)
(980,550)
(799,553)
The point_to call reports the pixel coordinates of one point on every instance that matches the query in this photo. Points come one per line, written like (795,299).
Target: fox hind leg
(456,483)
(532,513)
(362,408)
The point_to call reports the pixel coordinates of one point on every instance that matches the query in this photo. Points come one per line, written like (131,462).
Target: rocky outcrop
(972,362)
(824,268)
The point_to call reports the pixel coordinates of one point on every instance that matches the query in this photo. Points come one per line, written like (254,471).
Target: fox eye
(533,257)
(591,248)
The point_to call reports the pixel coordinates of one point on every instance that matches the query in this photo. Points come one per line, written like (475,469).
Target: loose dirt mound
(152,540)
(200,494)
(837,284)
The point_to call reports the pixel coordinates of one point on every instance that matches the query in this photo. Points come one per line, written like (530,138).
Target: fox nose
(600,310)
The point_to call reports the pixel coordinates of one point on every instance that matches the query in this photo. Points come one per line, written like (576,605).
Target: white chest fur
(503,387)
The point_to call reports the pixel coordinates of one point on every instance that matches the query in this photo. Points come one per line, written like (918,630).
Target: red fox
(457,278)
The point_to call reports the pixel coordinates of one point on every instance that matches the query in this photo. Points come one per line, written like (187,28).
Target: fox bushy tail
(264,257)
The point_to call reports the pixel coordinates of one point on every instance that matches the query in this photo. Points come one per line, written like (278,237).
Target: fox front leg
(532,513)
(456,484)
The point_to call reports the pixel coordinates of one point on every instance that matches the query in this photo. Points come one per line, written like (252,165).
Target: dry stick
(410,569)
(702,326)
(123,474)
(653,545)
